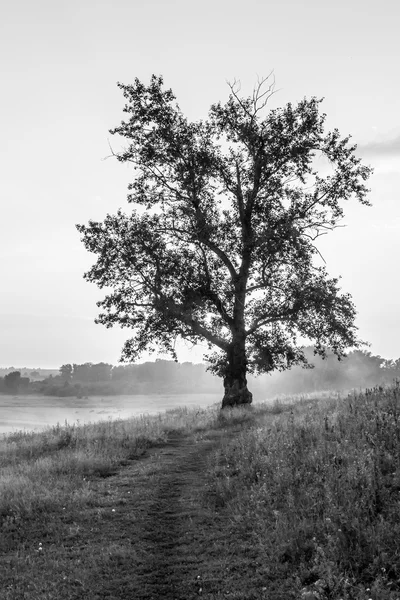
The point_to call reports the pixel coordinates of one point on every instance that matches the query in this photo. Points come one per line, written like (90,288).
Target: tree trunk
(235,382)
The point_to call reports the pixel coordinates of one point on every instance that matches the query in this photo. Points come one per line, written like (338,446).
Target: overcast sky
(60,62)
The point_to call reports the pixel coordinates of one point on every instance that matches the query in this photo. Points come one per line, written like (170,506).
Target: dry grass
(318,492)
(49,470)
(301,497)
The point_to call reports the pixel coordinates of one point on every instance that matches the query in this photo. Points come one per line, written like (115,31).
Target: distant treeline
(33,374)
(88,379)
(360,369)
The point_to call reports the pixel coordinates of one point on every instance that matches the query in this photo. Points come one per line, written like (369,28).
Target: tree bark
(235,381)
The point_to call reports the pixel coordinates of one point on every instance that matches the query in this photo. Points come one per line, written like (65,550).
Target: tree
(101,372)
(66,372)
(12,381)
(220,244)
(82,373)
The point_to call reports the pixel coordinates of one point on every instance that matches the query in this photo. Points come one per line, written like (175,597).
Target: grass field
(295,500)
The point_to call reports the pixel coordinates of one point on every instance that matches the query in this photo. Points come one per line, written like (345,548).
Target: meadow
(298,499)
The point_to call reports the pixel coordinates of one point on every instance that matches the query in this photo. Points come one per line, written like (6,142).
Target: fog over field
(33,399)
(37,412)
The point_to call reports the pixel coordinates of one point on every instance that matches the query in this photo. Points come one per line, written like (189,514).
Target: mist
(32,399)
(36,413)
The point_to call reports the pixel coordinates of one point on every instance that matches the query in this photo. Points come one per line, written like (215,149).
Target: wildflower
(113,510)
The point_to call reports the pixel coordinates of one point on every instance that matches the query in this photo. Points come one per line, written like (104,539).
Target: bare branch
(267,94)
(112,155)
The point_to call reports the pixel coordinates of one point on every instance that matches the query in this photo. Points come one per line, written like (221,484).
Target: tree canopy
(220,244)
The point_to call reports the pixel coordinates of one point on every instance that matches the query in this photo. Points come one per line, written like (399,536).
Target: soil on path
(147,535)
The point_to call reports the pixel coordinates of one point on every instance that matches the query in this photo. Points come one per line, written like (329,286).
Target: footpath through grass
(299,500)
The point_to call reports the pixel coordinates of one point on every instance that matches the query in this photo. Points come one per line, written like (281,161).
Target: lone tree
(220,244)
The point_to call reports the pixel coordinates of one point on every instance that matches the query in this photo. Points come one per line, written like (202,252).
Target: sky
(60,63)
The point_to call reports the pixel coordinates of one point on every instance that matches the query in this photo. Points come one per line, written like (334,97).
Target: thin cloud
(384,148)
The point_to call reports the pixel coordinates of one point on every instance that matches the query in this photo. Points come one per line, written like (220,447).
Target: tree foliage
(66,372)
(12,381)
(220,244)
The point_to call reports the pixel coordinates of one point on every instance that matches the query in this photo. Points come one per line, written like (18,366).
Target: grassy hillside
(296,500)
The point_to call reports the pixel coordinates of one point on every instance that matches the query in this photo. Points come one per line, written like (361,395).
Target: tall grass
(310,484)
(47,471)
(318,491)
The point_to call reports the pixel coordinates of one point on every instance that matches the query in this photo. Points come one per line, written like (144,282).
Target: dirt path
(172,534)
(146,535)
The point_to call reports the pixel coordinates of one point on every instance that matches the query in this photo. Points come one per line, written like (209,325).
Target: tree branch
(180,313)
